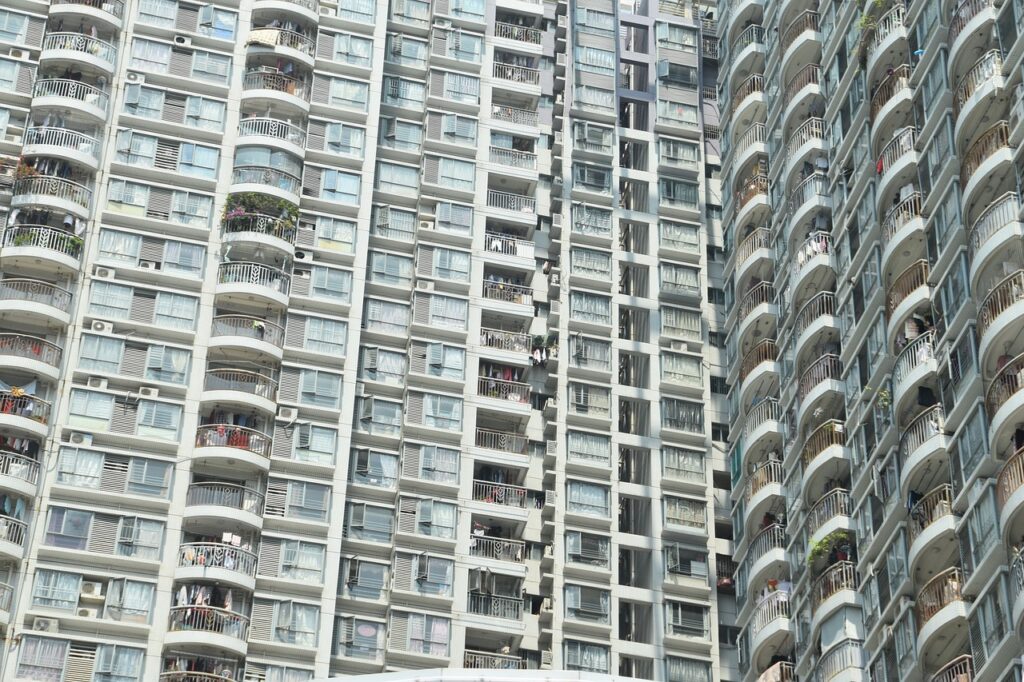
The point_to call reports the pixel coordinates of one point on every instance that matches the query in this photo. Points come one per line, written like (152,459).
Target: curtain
(438,636)
(101,353)
(42,659)
(110,300)
(350,94)
(92,404)
(458,174)
(79,468)
(388,466)
(133,599)
(448,312)
(56,589)
(455,217)
(120,246)
(443,412)
(590,307)
(442,519)
(203,113)
(149,477)
(588,497)
(124,192)
(332,283)
(687,670)
(191,209)
(175,310)
(150,55)
(589,445)
(452,264)
(182,257)
(167,364)
(340,232)
(158,420)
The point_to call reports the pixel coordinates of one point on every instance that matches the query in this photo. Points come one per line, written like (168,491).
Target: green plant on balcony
(243,203)
(25,171)
(840,540)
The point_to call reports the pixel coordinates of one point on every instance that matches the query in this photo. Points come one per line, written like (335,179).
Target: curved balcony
(260,230)
(233,445)
(960,669)
(805,22)
(307,9)
(922,447)
(18,473)
(758,243)
(763,486)
(888,30)
(931,530)
(278,183)
(769,627)
(986,163)
(823,456)
(765,556)
(108,11)
(806,201)
(253,282)
(224,501)
(514,392)
(890,103)
(897,163)
(41,243)
(812,266)
(1017,588)
(1010,497)
(992,234)
(71,94)
(247,333)
(34,299)
(748,145)
(23,413)
(79,47)
(240,387)
(56,193)
(941,614)
(268,83)
(216,561)
(977,85)
(902,223)
(801,90)
(914,363)
(825,369)
(907,291)
(175,676)
(835,504)
(761,428)
(747,51)
(748,99)
(751,194)
(759,367)
(12,537)
(207,626)
(818,314)
(1004,399)
(273,132)
(32,354)
(966,27)
(288,43)
(62,143)
(806,140)
(848,655)
(838,578)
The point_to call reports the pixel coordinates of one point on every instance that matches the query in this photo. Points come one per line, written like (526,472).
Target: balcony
(274,129)
(805,83)
(1016,579)
(765,555)
(986,71)
(499,494)
(895,155)
(752,87)
(1009,496)
(39,242)
(516,116)
(747,145)
(513,342)
(113,8)
(906,283)
(912,364)
(498,549)
(941,591)
(495,606)
(281,184)
(233,444)
(840,576)
(271,37)
(277,232)
(241,381)
(217,561)
(769,627)
(826,368)
(43,357)
(489,660)
(763,352)
(1006,384)
(24,412)
(810,131)
(521,75)
(269,82)
(847,655)
(834,504)
(922,440)
(12,536)
(960,669)
(814,254)
(930,519)
(520,34)
(513,158)
(759,239)
(208,625)
(989,151)
(761,294)
(764,414)
(83,97)
(821,306)
(502,441)
(18,473)
(79,47)
(248,279)
(749,189)
(830,434)
(890,93)
(899,216)
(969,13)
(213,499)
(888,29)
(50,190)
(1003,212)
(514,203)
(32,297)
(62,143)
(247,332)
(508,292)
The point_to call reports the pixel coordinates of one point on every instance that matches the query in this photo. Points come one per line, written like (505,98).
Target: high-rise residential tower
(873,170)
(346,337)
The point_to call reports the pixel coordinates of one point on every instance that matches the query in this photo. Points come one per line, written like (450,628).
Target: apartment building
(873,170)
(350,337)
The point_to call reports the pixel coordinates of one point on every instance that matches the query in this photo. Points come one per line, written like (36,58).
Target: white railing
(53,186)
(255,274)
(522,34)
(500,112)
(511,202)
(915,354)
(513,158)
(71,89)
(79,42)
(63,137)
(1001,212)
(271,127)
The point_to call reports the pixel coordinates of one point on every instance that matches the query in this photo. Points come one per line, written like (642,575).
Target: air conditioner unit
(134,77)
(78,438)
(92,588)
(426,224)
(149,265)
(45,624)
(149,392)
(443,23)
(97,382)
(549,498)
(560,59)
(303,255)
(549,550)
(678,345)
(18,54)
(552,403)
(360,389)
(184,41)
(87,613)
(548,604)
(104,273)
(287,413)
(326,11)
(424,285)
(552,447)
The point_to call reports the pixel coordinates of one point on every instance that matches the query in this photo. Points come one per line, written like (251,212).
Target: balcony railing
(228,495)
(506,114)
(826,368)
(761,238)
(27,406)
(35,291)
(264,175)
(1017,577)
(52,186)
(243,381)
(62,137)
(960,669)
(232,436)
(258,223)
(915,354)
(19,467)
(899,146)
(772,608)
(936,504)
(216,555)
(522,34)
(751,85)
(830,433)
(511,202)
(510,293)
(805,21)
(780,672)
(250,327)
(1011,477)
(991,141)
(279,37)
(71,89)
(749,36)
(513,158)
(963,14)
(30,348)
(502,340)
(833,504)
(255,274)
(985,69)
(765,411)
(846,655)
(496,606)
(44,237)
(79,42)
(759,294)
(488,660)
(938,593)
(906,283)
(503,441)
(820,305)
(509,246)
(272,127)
(888,23)
(500,494)
(811,129)
(809,75)
(177,676)
(497,548)
(816,244)
(208,619)
(750,188)
(901,214)
(836,578)
(755,134)
(113,7)
(12,530)
(769,538)
(765,351)
(268,78)
(1000,213)
(923,427)
(516,74)
(766,474)
(811,187)
(890,85)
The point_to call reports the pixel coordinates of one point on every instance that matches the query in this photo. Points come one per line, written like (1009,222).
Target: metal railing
(181,676)
(500,389)
(511,202)
(823,437)
(1007,292)
(232,436)
(887,24)
(938,593)
(915,354)
(901,214)
(811,129)
(71,89)
(765,351)
(840,576)
(991,141)
(820,305)
(30,348)
(525,117)
(765,411)
(936,503)
(112,7)
(921,428)
(515,342)
(809,75)
(769,538)
(780,672)
(960,669)
(35,291)
(52,186)
(890,85)
(265,175)
(811,187)
(899,146)
(279,37)
(62,137)
(19,467)
(282,228)
(985,69)
(513,158)
(208,619)
(816,244)
(753,84)
(772,608)
(496,606)
(79,42)
(755,134)
(12,530)
(750,188)
(1017,577)
(843,656)
(826,368)
(907,282)
(749,36)
(497,548)
(23,405)
(766,474)
(241,380)
(500,494)
(963,14)
(504,441)
(1011,477)
(255,274)
(230,495)
(488,660)
(759,294)
(516,74)
(510,293)
(835,503)
(1001,212)
(272,127)
(217,555)
(761,238)
(509,246)
(249,327)
(272,79)
(44,237)
(522,34)
(808,20)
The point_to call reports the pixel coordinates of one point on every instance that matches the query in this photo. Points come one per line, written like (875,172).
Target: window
(164,363)
(677,37)
(129,601)
(344,139)
(189,208)
(303,500)
(302,561)
(685,370)
(682,415)
(686,561)
(56,589)
(591,177)
(358,638)
(401,92)
(401,49)
(450,264)
(319,388)
(716,296)
(13,27)
(415,12)
(677,192)
(386,316)
(442,412)
(42,658)
(593,21)
(149,55)
(433,575)
(587,307)
(90,410)
(205,113)
(689,620)
(458,128)
(340,186)
(368,522)
(207,66)
(79,468)
(436,519)
(199,161)
(589,498)
(585,656)
(140,538)
(437,463)
(590,262)
(681,323)
(590,352)
(217,23)
(456,218)
(448,312)
(443,360)
(175,311)
(461,88)
(398,134)
(456,174)
(101,353)
(719,385)
(8,74)
(686,512)
(184,258)
(325,336)
(719,432)
(149,477)
(677,112)
(348,94)
(332,283)
(379,416)
(594,60)
(677,74)
(381,364)
(589,448)
(158,420)
(427,634)
(353,49)
(683,464)
(679,152)
(335,234)
(587,603)
(393,177)
(296,623)
(363,579)
(68,528)
(686,670)
(586,548)
(373,468)
(143,101)
(313,443)
(390,268)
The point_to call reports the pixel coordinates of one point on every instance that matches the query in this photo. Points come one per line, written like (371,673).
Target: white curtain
(590,307)
(120,246)
(182,257)
(56,589)
(588,496)
(439,636)
(42,659)
(110,300)
(175,310)
(79,468)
